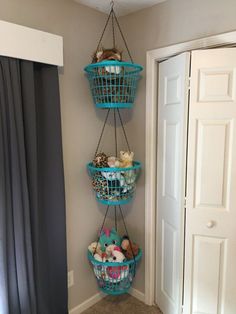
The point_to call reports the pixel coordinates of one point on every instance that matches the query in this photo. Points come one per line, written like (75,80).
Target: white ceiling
(121,7)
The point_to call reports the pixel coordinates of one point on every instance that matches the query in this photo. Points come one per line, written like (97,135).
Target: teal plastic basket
(114,278)
(114,186)
(113,84)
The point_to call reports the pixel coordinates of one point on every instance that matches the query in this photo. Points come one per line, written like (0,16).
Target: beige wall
(167,23)
(80,28)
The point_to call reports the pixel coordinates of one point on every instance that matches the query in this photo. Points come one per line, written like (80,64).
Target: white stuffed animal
(98,257)
(117,255)
(110,249)
(95,246)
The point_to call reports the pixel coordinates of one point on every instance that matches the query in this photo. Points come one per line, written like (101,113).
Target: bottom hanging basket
(114,278)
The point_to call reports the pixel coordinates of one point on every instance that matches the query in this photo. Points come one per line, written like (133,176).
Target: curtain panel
(33,265)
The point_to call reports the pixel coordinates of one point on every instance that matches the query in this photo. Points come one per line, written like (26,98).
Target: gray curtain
(33,266)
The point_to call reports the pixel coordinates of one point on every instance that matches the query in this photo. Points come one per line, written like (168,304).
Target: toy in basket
(114,179)
(114,271)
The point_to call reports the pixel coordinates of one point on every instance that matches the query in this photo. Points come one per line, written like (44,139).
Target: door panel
(172,132)
(210,272)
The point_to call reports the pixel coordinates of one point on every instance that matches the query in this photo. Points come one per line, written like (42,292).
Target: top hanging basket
(113,84)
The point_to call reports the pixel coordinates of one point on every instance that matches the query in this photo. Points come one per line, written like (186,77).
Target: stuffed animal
(95,246)
(115,272)
(98,257)
(113,162)
(117,255)
(110,249)
(126,159)
(127,250)
(108,237)
(100,160)
(107,54)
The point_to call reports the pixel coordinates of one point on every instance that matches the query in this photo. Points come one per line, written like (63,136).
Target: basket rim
(112,62)
(137,165)
(108,264)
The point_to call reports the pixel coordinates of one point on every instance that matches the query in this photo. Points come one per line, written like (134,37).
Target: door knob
(210,224)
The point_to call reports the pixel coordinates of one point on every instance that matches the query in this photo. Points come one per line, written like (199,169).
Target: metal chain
(116,142)
(123,37)
(115,219)
(103,32)
(113,29)
(99,235)
(103,128)
(122,216)
(123,128)
(113,17)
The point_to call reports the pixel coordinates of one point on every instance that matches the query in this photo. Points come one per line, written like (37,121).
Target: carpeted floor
(125,304)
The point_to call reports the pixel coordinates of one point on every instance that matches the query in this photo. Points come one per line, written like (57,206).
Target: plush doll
(116,272)
(95,246)
(117,255)
(126,159)
(113,162)
(108,237)
(110,249)
(127,250)
(107,54)
(100,160)
(98,257)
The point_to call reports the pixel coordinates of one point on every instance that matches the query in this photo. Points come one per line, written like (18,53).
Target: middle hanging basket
(114,186)
(113,84)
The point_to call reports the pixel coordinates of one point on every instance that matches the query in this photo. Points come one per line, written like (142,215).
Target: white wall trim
(153,56)
(137,294)
(22,42)
(87,304)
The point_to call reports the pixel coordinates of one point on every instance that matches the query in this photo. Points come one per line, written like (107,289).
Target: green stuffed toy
(108,237)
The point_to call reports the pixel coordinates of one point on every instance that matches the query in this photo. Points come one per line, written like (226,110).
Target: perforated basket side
(114,186)
(113,84)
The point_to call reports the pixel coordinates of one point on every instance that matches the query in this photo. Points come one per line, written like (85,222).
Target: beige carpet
(121,304)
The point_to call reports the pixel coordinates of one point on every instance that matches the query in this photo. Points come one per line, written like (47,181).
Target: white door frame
(153,57)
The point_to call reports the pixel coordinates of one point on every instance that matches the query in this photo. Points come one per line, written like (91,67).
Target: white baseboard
(137,294)
(87,304)
(99,296)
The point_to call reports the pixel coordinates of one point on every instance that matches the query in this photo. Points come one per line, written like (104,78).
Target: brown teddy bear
(127,250)
(107,54)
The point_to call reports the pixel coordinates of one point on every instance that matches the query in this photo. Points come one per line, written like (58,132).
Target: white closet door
(172,130)
(210,274)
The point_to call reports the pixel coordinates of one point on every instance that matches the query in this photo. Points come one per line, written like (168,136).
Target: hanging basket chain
(115,219)
(103,128)
(123,37)
(114,19)
(105,27)
(99,235)
(126,230)
(115,130)
(113,29)
(123,128)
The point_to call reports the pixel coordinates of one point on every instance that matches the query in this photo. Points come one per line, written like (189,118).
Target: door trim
(152,59)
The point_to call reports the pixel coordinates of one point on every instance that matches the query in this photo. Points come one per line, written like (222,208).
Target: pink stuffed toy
(117,256)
